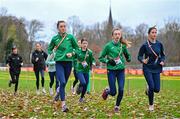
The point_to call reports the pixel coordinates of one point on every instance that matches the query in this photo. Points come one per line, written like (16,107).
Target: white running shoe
(43,91)
(51,91)
(151,107)
(37,92)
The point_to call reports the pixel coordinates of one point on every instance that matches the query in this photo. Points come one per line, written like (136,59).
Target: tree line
(24,34)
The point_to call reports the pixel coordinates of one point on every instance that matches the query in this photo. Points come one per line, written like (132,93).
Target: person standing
(64,44)
(151,55)
(14,63)
(38,59)
(113,55)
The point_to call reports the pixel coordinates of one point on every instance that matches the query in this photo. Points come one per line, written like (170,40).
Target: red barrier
(127,71)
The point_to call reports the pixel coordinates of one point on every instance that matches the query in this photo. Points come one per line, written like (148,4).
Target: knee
(113,92)
(151,88)
(156,90)
(121,91)
(83,83)
(62,84)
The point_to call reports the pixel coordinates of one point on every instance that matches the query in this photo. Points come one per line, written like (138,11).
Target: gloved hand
(111,62)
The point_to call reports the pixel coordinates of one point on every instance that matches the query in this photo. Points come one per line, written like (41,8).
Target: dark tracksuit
(153,68)
(14,61)
(39,65)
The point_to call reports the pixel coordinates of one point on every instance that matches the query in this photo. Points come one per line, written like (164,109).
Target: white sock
(63,103)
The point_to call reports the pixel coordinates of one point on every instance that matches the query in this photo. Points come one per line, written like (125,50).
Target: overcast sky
(127,12)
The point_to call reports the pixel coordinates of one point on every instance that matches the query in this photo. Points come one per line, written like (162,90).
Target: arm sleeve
(162,53)
(74,43)
(45,55)
(141,53)
(8,60)
(102,56)
(127,54)
(33,59)
(51,47)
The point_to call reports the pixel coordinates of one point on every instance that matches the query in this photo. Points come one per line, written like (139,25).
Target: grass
(134,104)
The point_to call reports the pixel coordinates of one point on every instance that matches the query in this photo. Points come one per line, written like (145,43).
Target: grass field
(134,104)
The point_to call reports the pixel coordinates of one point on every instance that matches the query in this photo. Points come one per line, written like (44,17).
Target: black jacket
(14,61)
(40,63)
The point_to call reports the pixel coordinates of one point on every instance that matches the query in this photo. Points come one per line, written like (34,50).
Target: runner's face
(79,43)
(15,51)
(84,44)
(153,34)
(38,47)
(62,27)
(116,35)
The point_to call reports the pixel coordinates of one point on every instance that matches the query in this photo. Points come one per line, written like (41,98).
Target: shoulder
(19,56)
(144,44)
(159,42)
(34,53)
(108,44)
(90,51)
(70,36)
(55,37)
(9,56)
(124,46)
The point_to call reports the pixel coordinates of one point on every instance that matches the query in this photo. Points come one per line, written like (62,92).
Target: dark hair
(115,29)
(61,21)
(14,47)
(38,43)
(151,28)
(83,39)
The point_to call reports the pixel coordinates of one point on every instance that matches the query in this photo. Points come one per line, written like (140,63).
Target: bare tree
(33,28)
(3,11)
(75,25)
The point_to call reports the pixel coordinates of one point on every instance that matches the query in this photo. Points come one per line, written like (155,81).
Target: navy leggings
(153,81)
(63,71)
(76,78)
(118,75)
(84,80)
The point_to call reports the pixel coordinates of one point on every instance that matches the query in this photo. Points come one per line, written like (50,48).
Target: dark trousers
(84,80)
(153,81)
(52,75)
(37,78)
(63,71)
(76,78)
(14,79)
(118,75)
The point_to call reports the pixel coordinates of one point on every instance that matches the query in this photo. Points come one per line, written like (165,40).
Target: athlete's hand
(162,63)
(145,61)
(36,59)
(69,55)
(22,64)
(112,62)
(8,66)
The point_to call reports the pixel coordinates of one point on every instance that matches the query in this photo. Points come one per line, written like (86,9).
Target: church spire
(109,24)
(110,20)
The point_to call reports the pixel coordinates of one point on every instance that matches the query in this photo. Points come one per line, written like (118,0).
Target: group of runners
(65,52)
